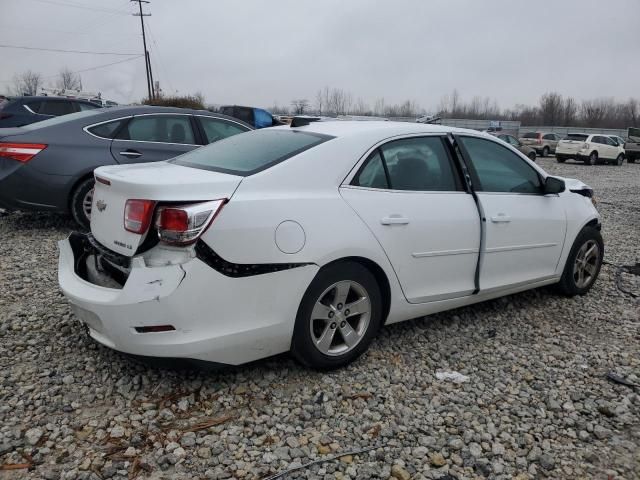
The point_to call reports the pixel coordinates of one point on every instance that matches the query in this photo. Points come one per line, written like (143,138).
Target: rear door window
(252,152)
(56,107)
(159,128)
(530,135)
(216,129)
(86,106)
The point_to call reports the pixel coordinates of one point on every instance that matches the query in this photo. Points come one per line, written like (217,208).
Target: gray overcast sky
(260,52)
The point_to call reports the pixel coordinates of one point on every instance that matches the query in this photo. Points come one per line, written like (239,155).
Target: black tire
(568,284)
(620,160)
(631,160)
(560,159)
(78,197)
(592,159)
(532,156)
(545,152)
(303,346)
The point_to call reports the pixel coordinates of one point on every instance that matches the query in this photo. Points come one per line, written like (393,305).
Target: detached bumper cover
(216,318)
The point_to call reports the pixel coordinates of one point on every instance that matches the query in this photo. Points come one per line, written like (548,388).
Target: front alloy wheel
(338,317)
(593,158)
(583,264)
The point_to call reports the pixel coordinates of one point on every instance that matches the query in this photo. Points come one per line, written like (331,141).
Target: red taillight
(184,224)
(137,215)
(22,152)
(174,219)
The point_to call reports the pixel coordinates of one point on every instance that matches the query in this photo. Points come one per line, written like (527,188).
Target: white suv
(590,149)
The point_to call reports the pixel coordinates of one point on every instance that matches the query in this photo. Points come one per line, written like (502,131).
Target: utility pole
(144,43)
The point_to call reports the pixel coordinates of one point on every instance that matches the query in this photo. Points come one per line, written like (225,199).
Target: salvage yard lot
(536,405)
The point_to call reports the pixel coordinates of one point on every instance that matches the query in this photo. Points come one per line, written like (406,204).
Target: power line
(84,7)
(87,69)
(68,51)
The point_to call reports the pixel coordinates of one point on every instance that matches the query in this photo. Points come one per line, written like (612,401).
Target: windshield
(581,137)
(251,152)
(530,135)
(63,118)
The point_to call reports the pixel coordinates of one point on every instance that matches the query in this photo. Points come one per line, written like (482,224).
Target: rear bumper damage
(214,318)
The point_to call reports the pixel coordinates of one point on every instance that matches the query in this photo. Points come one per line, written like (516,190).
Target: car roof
(49,97)
(349,128)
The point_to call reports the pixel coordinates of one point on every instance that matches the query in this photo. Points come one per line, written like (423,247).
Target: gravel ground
(536,403)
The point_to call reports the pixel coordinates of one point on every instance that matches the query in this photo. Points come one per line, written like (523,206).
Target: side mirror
(553,185)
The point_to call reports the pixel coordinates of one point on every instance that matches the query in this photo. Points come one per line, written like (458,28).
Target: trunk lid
(158,181)
(10,131)
(569,146)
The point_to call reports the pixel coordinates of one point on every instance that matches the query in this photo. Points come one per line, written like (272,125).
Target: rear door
(154,137)
(409,194)
(524,229)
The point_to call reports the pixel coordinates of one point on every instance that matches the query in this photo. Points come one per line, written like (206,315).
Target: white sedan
(310,238)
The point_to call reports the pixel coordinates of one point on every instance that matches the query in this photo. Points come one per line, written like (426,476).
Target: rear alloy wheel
(338,317)
(81,202)
(620,160)
(592,159)
(532,156)
(545,152)
(583,264)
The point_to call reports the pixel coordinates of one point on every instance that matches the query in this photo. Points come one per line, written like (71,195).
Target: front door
(154,137)
(524,229)
(410,196)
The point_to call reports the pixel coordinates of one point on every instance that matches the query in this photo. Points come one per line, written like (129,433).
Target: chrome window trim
(140,141)
(249,129)
(27,108)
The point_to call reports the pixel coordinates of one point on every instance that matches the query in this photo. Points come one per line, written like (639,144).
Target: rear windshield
(251,152)
(530,135)
(50,122)
(634,134)
(581,137)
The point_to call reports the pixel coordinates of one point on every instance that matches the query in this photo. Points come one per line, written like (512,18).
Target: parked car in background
(590,149)
(543,143)
(256,117)
(21,111)
(632,145)
(49,165)
(515,143)
(312,238)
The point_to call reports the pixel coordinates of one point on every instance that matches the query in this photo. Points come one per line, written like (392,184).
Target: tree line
(30,82)
(553,109)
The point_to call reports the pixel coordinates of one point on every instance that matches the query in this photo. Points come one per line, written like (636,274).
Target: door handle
(131,153)
(501,218)
(394,220)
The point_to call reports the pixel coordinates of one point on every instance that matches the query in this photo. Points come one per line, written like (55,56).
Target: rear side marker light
(22,152)
(137,215)
(155,329)
(184,224)
(104,181)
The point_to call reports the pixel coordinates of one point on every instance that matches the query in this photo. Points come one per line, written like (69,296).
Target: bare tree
(631,112)
(569,112)
(319,101)
(68,80)
(594,112)
(551,108)
(299,106)
(27,83)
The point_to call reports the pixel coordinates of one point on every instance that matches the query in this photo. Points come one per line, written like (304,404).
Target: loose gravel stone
(536,403)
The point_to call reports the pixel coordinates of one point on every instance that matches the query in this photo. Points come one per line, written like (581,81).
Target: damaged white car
(309,238)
